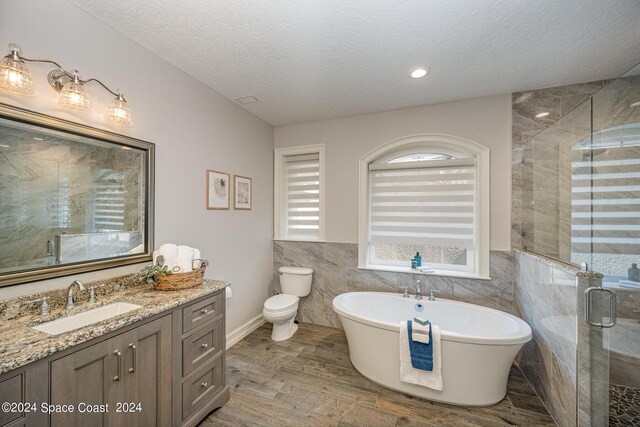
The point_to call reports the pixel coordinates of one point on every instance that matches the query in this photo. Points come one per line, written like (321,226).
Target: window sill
(302,240)
(458,274)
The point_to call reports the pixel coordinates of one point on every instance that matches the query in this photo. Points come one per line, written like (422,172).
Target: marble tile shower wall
(335,272)
(546,296)
(558,102)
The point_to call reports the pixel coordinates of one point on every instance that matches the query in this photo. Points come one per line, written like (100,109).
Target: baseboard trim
(234,336)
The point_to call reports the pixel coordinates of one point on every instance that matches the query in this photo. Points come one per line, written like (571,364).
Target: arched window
(427,194)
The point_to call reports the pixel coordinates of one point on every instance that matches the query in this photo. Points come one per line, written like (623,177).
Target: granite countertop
(20,344)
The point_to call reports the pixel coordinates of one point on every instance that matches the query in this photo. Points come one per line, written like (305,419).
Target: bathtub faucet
(405,291)
(418,289)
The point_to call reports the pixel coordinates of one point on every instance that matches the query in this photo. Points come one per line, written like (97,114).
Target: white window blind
(109,205)
(425,202)
(605,216)
(302,196)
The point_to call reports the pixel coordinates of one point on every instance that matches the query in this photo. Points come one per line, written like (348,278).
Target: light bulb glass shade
(15,76)
(119,112)
(74,96)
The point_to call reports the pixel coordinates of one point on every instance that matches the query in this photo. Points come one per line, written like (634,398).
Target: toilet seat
(281,302)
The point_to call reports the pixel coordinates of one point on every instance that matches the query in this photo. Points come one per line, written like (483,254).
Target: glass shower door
(606,235)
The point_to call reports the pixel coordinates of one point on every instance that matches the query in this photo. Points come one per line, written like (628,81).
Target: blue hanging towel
(421,354)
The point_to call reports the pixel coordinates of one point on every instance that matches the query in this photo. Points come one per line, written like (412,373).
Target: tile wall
(335,272)
(546,297)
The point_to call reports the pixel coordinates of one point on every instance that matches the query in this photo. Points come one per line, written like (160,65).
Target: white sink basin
(69,323)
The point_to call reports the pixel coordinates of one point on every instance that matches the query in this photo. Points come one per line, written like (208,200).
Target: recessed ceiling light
(635,104)
(38,139)
(125,147)
(540,115)
(246,99)
(419,73)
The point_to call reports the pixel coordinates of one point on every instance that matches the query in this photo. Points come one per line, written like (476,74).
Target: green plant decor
(149,273)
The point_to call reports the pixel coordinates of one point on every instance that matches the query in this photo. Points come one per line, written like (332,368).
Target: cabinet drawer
(11,390)
(201,347)
(198,390)
(202,312)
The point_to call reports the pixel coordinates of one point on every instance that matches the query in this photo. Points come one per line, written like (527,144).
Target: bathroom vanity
(162,364)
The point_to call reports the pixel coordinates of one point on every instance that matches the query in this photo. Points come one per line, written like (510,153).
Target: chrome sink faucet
(418,290)
(70,298)
(431,294)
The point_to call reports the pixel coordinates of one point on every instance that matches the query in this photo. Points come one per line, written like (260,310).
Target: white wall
(486,121)
(193,127)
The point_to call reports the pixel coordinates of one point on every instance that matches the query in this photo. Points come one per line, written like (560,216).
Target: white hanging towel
(430,379)
(185,259)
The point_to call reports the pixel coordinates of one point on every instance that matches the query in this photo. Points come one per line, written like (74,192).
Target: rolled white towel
(227,292)
(185,258)
(196,254)
(155,255)
(170,253)
(420,333)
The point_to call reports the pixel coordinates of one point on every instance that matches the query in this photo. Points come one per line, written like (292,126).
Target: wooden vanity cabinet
(130,372)
(172,365)
(22,385)
(200,348)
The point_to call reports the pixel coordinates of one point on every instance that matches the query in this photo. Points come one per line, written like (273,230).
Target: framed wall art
(242,192)
(218,190)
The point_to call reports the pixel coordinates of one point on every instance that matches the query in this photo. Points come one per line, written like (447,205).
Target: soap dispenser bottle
(634,273)
(418,260)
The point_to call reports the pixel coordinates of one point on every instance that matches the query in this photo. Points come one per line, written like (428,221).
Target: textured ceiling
(316,59)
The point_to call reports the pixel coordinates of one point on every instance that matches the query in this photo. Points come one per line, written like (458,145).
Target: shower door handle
(612,307)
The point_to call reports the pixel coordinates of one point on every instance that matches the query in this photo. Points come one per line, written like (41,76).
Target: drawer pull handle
(204,385)
(205,345)
(204,311)
(119,360)
(132,346)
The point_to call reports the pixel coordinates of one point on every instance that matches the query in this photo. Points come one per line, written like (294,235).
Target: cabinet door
(148,373)
(92,376)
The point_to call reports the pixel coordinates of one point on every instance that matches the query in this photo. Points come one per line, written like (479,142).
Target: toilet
(281,309)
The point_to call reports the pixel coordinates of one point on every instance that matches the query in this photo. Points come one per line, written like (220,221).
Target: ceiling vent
(247,100)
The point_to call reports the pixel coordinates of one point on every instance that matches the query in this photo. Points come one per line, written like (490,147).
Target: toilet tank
(296,280)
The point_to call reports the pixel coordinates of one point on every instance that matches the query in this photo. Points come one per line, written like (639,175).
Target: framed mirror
(73,198)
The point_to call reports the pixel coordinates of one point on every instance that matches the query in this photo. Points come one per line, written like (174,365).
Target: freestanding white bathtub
(478,344)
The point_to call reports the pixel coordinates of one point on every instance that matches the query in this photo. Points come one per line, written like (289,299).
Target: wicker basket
(178,281)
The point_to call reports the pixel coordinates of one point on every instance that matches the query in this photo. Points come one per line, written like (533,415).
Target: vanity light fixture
(73,94)
(543,114)
(16,78)
(420,72)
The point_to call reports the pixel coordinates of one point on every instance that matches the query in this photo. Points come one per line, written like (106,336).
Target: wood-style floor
(309,381)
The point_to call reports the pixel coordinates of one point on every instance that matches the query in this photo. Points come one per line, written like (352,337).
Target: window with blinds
(301,196)
(424,206)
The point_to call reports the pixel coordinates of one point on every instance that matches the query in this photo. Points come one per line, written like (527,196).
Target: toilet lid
(280,302)
(296,270)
